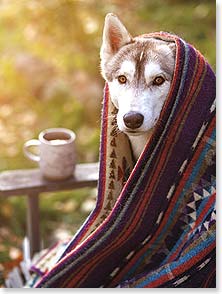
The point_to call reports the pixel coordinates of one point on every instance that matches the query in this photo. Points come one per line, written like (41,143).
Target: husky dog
(139,72)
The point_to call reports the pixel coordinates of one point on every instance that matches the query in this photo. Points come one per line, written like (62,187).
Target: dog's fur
(138,98)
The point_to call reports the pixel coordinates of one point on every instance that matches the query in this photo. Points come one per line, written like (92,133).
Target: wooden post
(33,222)
(31,183)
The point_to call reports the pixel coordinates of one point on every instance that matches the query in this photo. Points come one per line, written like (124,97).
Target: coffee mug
(56,157)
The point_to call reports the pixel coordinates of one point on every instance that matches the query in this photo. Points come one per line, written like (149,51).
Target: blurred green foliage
(50,77)
(49,63)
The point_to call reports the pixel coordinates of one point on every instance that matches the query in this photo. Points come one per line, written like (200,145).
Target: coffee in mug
(56,153)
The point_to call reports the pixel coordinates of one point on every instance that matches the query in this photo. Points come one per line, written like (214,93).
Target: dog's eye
(122,79)
(158,81)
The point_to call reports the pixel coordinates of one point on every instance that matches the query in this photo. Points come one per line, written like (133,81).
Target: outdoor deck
(31,184)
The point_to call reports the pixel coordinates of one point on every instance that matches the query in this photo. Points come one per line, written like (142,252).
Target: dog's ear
(115,35)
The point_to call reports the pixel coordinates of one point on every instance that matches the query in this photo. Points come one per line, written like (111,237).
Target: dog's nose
(133,119)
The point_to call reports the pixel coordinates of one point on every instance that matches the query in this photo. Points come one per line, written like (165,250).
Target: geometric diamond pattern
(189,215)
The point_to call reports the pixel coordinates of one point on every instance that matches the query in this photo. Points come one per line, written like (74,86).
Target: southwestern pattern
(156,228)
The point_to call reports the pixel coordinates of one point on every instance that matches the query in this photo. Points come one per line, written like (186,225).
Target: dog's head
(139,72)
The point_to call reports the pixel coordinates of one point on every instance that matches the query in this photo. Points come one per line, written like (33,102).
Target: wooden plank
(33,222)
(24,182)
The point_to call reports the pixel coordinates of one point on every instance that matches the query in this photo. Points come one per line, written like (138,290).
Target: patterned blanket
(154,221)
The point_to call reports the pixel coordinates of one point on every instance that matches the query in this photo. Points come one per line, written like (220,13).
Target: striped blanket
(154,221)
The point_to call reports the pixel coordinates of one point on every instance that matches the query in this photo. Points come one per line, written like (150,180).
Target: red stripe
(120,240)
(197,223)
(182,268)
(136,219)
(172,134)
(103,182)
(106,251)
(172,204)
(206,283)
(115,244)
(105,130)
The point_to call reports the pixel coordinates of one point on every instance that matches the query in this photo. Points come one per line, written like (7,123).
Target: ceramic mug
(56,157)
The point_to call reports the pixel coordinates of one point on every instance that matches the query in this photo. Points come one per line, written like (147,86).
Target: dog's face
(139,72)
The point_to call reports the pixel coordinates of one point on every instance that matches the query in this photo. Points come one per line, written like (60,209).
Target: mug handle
(29,154)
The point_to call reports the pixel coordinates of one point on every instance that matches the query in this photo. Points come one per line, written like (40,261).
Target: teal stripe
(178,263)
(176,207)
(135,190)
(181,240)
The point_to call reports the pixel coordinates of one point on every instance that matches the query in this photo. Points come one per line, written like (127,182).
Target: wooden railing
(30,183)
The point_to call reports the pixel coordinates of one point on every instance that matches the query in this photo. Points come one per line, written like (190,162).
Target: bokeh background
(50,77)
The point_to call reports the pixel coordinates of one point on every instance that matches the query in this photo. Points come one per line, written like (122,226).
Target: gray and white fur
(139,73)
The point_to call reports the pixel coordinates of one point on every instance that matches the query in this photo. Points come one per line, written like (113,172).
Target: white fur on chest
(138,143)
